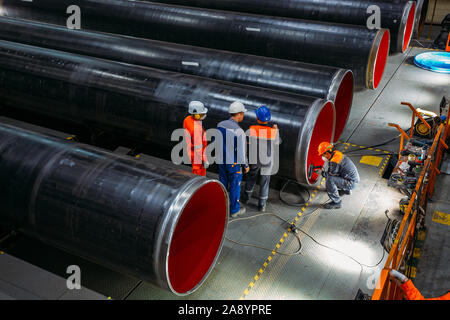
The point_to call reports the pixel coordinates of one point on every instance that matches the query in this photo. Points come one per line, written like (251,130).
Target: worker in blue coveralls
(234,161)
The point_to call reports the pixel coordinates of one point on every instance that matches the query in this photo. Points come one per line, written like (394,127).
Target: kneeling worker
(263,139)
(341,175)
(196,137)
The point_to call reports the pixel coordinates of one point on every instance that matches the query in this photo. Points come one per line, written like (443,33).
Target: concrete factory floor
(318,272)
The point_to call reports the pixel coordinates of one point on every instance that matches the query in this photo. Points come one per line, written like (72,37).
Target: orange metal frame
(387,288)
(447,48)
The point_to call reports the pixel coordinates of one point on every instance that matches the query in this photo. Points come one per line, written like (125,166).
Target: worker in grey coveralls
(263,157)
(341,175)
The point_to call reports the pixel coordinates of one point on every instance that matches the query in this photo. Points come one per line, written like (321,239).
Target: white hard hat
(237,107)
(197,107)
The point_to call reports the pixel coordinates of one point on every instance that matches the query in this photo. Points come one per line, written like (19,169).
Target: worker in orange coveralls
(411,292)
(196,137)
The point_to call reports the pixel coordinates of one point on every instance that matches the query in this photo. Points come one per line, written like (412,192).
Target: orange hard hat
(324,147)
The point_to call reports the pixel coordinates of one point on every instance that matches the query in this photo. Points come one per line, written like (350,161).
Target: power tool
(312,168)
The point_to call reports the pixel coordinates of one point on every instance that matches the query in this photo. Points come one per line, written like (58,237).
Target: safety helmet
(197,107)
(237,107)
(324,147)
(263,114)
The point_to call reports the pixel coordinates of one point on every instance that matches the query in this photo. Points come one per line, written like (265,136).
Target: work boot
(333,205)
(241,211)
(345,192)
(244,198)
(262,207)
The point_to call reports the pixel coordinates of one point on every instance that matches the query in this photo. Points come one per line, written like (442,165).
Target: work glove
(399,276)
(206,164)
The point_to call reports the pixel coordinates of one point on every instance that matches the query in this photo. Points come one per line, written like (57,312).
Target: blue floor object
(434,61)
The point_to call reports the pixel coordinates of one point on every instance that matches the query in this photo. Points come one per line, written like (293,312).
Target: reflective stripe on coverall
(263,137)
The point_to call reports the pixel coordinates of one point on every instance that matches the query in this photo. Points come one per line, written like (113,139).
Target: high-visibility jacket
(262,142)
(196,140)
(412,293)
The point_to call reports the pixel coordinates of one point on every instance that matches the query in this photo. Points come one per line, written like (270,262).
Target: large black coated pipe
(149,104)
(150,220)
(345,46)
(397,16)
(306,79)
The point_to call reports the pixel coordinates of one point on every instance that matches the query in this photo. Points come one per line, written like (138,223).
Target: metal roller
(306,79)
(396,15)
(149,104)
(344,46)
(150,220)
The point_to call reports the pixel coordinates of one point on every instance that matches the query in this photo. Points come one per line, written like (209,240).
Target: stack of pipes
(134,66)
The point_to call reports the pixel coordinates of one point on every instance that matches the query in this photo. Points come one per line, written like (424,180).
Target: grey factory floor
(345,254)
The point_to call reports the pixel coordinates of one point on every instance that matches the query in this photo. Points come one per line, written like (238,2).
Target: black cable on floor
(292,204)
(373,154)
(132,290)
(292,224)
(261,247)
(378,145)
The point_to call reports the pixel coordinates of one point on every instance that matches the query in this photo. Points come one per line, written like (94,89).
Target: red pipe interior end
(409,27)
(197,239)
(323,131)
(381,59)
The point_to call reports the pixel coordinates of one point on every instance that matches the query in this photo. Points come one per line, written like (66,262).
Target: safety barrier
(387,288)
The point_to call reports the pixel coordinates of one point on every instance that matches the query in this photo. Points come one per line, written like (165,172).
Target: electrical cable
(378,145)
(372,154)
(292,224)
(261,247)
(292,204)
(343,253)
(374,146)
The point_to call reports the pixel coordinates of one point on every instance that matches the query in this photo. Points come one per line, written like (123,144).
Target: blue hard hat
(263,114)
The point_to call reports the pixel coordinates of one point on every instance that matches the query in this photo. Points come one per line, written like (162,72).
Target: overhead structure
(149,105)
(350,47)
(152,221)
(325,82)
(396,15)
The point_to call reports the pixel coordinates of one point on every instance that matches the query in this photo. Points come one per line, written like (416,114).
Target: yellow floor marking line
(278,245)
(361,147)
(383,167)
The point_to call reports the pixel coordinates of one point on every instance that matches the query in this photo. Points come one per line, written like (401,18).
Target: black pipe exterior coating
(344,46)
(394,14)
(305,79)
(148,104)
(131,216)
